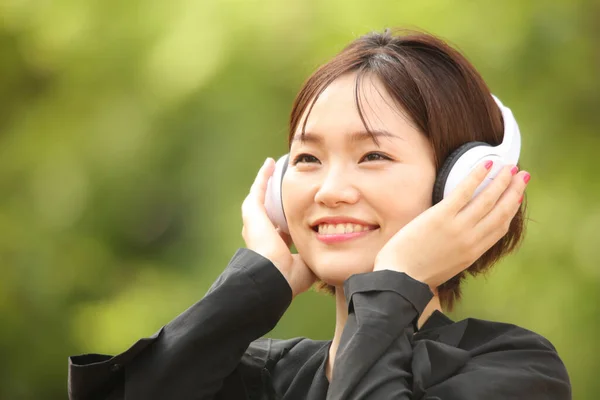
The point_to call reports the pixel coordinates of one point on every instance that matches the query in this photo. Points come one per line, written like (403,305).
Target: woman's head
(368,132)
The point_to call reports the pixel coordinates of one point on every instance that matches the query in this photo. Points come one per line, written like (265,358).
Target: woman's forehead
(337,109)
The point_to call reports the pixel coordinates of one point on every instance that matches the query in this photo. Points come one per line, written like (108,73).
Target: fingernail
(514,170)
(526,177)
(521,199)
(488,164)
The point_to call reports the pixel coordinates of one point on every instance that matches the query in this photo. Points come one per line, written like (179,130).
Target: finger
(287,239)
(259,187)
(497,222)
(481,205)
(463,193)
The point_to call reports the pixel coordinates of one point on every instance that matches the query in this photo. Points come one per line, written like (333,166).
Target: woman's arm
(373,360)
(377,358)
(192,355)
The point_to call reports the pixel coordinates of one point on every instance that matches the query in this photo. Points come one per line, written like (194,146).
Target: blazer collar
(441,328)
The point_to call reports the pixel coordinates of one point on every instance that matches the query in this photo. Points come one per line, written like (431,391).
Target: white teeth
(349,228)
(331,229)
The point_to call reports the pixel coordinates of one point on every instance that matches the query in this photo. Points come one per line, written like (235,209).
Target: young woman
(369,134)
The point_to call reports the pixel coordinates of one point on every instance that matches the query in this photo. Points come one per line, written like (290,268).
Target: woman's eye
(375,157)
(305,158)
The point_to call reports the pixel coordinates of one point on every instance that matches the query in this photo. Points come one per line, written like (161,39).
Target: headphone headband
(511,143)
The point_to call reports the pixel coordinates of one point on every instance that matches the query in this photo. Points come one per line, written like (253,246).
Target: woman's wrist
(418,275)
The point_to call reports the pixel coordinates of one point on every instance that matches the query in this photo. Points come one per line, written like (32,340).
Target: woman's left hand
(447,238)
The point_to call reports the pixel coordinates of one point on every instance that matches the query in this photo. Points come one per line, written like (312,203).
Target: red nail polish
(521,199)
(514,170)
(488,164)
(526,178)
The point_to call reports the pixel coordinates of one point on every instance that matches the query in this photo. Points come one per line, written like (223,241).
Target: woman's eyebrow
(358,136)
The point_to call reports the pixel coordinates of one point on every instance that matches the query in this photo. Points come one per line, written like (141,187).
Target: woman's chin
(336,274)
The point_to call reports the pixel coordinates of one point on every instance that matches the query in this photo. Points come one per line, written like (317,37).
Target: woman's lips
(342,237)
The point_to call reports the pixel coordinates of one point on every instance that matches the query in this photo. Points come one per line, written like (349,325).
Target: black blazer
(213,350)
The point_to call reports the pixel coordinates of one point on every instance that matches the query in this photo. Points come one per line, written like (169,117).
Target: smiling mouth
(342,229)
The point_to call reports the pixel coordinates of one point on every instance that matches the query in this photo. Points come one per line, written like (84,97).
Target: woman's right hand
(262,237)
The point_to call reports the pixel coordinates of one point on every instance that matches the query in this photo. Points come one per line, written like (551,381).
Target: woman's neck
(341,316)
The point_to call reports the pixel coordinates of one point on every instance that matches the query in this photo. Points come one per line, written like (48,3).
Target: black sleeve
(190,357)
(375,356)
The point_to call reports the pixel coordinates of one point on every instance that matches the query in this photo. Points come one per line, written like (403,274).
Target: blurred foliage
(130,133)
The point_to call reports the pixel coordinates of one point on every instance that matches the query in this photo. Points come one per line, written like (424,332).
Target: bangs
(379,67)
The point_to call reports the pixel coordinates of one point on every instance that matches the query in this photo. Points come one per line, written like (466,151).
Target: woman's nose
(337,188)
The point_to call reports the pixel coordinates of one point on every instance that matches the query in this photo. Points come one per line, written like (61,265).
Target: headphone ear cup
(444,172)
(273,195)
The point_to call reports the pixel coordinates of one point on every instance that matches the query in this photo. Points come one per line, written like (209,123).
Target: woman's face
(344,195)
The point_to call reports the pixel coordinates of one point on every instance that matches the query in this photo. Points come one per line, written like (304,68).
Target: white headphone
(456,167)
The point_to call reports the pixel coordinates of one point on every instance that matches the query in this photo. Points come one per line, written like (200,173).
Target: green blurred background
(130,132)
